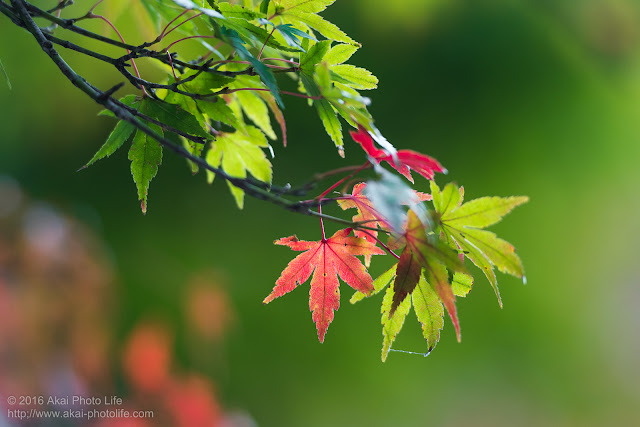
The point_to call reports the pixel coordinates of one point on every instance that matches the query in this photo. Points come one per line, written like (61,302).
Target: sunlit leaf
(392,318)
(461,284)
(379,284)
(340,53)
(308,6)
(313,56)
(483,212)
(256,109)
(236,11)
(462,227)
(358,78)
(318,23)
(218,110)
(429,310)
(238,153)
(326,259)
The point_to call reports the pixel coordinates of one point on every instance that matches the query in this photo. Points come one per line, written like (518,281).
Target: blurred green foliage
(514,97)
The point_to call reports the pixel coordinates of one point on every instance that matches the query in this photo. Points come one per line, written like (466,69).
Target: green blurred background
(514,97)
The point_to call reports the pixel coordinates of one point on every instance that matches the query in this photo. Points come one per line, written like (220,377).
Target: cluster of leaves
(430,271)
(217,109)
(222,102)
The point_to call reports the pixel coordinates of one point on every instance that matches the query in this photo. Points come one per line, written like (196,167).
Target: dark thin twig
(69,24)
(68,45)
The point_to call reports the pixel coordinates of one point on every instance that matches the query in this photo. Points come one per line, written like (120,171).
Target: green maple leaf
(238,153)
(145,152)
(355,77)
(327,113)
(310,67)
(313,56)
(189,106)
(304,14)
(462,227)
(179,116)
(218,110)
(429,312)
(145,155)
(239,12)
(120,134)
(117,137)
(255,104)
(420,280)
(340,53)
(424,300)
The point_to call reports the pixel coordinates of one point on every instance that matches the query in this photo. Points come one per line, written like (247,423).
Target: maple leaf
(326,260)
(426,304)
(425,258)
(146,156)
(459,227)
(119,135)
(238,153)
(428,308)
(462,227)
(303,13)
(407,160)
(326,111)
(420,251)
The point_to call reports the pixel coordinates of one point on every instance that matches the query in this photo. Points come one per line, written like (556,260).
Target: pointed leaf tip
(321,335)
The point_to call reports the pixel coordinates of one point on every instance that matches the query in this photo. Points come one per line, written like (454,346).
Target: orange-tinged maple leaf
(367,214)
(326,259)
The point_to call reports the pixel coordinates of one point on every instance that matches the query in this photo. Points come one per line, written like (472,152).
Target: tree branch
(19,14)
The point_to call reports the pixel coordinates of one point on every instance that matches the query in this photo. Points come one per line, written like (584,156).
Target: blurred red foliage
(57,323)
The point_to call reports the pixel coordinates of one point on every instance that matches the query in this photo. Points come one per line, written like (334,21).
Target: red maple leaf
(367,214)
(407,160)
(326,259)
